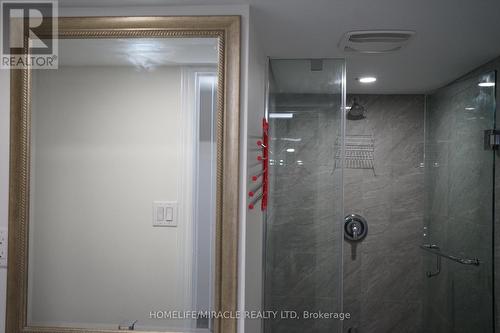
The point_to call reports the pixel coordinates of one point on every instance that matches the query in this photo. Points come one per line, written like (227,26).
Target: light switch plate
(3,247)
(164,213)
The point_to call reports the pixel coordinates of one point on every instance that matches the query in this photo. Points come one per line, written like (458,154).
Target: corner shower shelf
(359,152)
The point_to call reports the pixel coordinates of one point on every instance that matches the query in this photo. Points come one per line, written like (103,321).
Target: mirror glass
(122,185)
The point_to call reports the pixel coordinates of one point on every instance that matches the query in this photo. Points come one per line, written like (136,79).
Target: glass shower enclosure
(459,188)
(453,255)
(303,247)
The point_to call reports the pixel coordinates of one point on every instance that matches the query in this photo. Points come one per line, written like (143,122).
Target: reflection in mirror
(123,166)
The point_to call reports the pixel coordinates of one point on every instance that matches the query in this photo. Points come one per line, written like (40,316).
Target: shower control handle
(354,230)
(355,227)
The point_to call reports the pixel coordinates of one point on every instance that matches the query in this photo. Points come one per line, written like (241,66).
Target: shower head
(356,112)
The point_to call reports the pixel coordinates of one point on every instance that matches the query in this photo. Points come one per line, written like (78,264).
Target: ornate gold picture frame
(227,30)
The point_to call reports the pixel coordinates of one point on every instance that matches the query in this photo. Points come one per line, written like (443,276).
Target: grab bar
(434,249)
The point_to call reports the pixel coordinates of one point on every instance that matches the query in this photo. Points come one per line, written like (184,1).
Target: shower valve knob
(355,227)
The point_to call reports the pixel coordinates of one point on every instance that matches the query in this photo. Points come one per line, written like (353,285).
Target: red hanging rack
(264,173)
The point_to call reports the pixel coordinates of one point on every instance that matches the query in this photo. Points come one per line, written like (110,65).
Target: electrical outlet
(3,247)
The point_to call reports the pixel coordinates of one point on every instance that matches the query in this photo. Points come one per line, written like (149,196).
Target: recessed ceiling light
(470,108)
(290,150)
(486,84)
(348,107)
(281,115)
(367,79)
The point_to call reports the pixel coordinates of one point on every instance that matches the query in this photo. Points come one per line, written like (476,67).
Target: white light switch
(165,213)
(160,213)
(169,216)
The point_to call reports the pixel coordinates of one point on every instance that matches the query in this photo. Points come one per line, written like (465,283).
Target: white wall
(243,11)
(101,158)
(253,238)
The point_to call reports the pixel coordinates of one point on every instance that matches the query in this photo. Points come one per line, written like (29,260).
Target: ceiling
(452,36)
(140,53)
(325,81)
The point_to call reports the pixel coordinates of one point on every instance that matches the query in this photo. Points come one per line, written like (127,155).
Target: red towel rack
(260,192)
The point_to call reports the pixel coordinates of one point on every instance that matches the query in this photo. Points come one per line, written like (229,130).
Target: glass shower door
(303,246)
(458,235)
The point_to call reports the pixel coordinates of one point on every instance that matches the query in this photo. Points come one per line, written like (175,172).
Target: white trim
(186,192)
(188,189)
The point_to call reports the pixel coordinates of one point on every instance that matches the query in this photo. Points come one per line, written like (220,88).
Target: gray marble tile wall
(303,242)
(459,202)
(383,274)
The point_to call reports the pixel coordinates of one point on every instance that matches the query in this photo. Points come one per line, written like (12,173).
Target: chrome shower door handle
(434,249)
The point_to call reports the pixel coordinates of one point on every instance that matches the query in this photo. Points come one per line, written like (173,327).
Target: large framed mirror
(123,209)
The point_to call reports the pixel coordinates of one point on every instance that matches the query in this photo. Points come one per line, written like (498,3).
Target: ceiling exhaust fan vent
(375,41)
